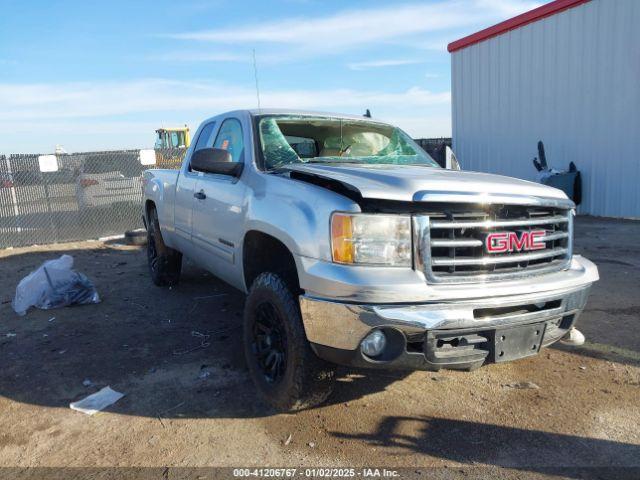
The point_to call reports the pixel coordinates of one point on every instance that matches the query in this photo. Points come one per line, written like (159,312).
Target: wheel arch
(263,252)
(148,205)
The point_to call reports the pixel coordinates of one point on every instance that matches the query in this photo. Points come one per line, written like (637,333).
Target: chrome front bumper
(418,330)
(343,326)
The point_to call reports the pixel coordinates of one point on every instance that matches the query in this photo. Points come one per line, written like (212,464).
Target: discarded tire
(136,237)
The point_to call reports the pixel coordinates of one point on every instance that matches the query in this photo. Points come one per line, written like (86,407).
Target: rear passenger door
(218,212)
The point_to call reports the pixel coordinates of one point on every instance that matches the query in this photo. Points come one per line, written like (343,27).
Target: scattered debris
(171,409)
(204,343)
(312,444)
(161,422)
(11,335)
(87,383)
(97,401)
(210,296)
(204,374)
(52,319)
(164,412)
(522,385)
(288,440)
(582,367)
(439,379)
(196,300)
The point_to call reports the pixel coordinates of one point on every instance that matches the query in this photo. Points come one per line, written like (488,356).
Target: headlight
(371,239)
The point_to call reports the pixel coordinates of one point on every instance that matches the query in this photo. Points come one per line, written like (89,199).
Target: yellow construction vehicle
(171,145)
(172,138)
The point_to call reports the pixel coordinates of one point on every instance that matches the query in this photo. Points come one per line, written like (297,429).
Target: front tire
(165,263)
(287,373)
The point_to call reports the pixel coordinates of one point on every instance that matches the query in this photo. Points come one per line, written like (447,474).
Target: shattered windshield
(299,139)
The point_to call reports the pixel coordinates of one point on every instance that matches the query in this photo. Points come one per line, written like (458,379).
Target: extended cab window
(205,139)
(230,138)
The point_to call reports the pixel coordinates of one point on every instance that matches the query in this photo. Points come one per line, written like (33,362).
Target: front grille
(451,242)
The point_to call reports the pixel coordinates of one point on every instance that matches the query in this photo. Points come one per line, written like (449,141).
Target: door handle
(200,195)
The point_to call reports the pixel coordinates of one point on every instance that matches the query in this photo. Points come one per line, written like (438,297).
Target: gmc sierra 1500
(356,248)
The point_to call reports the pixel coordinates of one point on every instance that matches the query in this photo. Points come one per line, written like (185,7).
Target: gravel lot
(189,401)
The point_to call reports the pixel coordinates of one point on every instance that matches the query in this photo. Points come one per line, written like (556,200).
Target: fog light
(374,343)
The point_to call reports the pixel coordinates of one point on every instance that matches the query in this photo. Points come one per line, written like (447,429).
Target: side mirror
(215,160)
(451,162)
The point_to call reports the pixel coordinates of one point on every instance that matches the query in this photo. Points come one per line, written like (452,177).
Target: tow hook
(573,337)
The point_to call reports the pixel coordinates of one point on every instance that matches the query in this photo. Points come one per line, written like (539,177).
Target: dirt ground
(176,354)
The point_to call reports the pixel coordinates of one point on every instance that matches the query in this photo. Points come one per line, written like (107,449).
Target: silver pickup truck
(356,248)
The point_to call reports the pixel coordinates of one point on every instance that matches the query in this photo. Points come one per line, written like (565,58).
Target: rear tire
(165,263)
(287,373)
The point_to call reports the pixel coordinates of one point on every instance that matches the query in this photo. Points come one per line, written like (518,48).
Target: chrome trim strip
(558,265)
(571,214)
(490,198)
(486,260)
(422,245)
(554,236)
(500,223)
(472,242)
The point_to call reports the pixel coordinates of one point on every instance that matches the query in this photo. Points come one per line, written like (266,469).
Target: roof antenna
(255,73)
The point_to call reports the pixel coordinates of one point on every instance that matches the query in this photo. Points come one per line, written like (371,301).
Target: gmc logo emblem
(503,242)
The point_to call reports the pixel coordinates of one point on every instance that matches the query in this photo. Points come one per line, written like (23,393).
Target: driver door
(218,208)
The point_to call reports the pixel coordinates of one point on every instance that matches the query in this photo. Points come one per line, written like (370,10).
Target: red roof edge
(528,17)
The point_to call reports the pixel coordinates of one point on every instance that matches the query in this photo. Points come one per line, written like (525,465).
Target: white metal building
(567,73)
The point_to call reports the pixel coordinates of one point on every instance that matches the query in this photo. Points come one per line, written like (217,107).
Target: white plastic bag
(54,284)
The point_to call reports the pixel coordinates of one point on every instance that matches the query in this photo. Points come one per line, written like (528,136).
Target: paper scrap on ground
(97,401)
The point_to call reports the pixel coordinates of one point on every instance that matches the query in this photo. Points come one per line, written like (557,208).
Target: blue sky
(103,75)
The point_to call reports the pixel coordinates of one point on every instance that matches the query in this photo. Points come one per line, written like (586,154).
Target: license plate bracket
(518,342)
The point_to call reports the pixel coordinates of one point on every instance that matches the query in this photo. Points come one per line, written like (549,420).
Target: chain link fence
(59,198)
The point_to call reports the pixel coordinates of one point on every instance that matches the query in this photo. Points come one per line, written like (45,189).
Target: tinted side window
(230,138)
(205,139)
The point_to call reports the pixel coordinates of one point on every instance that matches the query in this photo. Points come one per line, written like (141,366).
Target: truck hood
(415,183)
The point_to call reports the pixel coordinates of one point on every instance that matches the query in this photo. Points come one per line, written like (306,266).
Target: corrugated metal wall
(571,80)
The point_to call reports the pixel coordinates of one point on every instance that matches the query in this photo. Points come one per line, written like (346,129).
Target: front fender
(298,214)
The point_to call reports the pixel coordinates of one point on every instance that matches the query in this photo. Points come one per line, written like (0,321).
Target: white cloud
(353,28)
(78,115)
(80,100)
(381,64)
